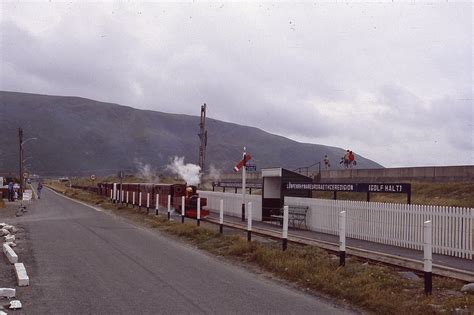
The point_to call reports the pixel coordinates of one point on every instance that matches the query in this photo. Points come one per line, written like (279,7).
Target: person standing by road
(11,191)
(40,187)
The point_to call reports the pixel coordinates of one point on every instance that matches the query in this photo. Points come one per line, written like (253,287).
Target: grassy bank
(376,288)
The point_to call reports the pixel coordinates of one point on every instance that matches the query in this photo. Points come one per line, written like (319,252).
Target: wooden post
(342,238)
(285,228)
(221,216)
(147,203)
(249,221)
(198,214)
(183,213)
(169,207)
(428,256)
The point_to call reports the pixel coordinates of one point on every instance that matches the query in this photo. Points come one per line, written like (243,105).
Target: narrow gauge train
(176,191)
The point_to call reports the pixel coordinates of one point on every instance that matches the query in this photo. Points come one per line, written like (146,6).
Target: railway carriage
(176,191)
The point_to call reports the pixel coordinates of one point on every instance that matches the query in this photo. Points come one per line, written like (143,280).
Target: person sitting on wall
(352,161)
(327,165)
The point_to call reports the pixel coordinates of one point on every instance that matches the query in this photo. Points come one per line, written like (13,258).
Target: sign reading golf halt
(392,188)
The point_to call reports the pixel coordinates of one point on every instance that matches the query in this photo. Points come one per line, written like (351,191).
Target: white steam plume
(214,173)
(147,172)
(188,172)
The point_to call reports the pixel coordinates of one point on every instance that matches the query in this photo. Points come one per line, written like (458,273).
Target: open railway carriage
(176,191)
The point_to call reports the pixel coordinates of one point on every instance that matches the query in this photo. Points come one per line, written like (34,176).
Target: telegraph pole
(203,137)
(20,136)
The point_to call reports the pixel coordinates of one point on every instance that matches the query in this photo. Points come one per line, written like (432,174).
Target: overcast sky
(393,81)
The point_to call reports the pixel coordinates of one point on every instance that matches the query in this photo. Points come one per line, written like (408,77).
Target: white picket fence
(386,223)
(394,224)
(232,203)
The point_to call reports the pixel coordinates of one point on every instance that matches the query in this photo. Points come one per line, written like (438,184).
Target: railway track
(393,260)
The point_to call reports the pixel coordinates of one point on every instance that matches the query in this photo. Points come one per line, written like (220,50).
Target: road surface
(86,261)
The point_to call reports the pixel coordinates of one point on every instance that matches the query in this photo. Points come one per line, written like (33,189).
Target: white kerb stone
(7,292)
(15,304)
(10,253)
(468,288)
(9,228)
(9,238)
(21,275)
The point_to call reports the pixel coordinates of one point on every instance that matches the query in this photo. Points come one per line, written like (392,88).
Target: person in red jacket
(352,161)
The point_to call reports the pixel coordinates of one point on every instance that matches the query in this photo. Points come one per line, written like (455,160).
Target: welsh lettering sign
(251,168)
(237,185)
(401,188)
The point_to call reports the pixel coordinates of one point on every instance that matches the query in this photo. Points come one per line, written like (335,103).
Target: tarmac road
(85,261)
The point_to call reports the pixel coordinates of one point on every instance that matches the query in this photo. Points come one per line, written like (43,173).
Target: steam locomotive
(150,194)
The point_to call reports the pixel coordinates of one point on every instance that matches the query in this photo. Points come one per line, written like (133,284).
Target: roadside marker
(133,198)
(169,207)
(182,209)
(342,238)
(157,203)
(127,198)
(428,256)
(221,216)
(198,214)
(249,222)
(140,200)
(285,228)
(147,203)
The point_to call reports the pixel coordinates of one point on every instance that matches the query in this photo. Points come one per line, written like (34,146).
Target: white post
(221,216)
(140,199)
(182,209)
(147,203)
(114,198)
(342,238)
(285,227)
(244,179)
(133,199)
(198,214)
(169,207)
(127,197)
(122,195)
(157,206)
(428,255)
(111,194)
(249,221)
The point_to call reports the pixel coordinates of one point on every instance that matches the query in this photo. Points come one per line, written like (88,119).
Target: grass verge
(375,288)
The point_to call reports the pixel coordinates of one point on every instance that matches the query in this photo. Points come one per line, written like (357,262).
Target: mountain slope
(78,135)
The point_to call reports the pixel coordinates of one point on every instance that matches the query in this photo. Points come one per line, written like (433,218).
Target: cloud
(385,79)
